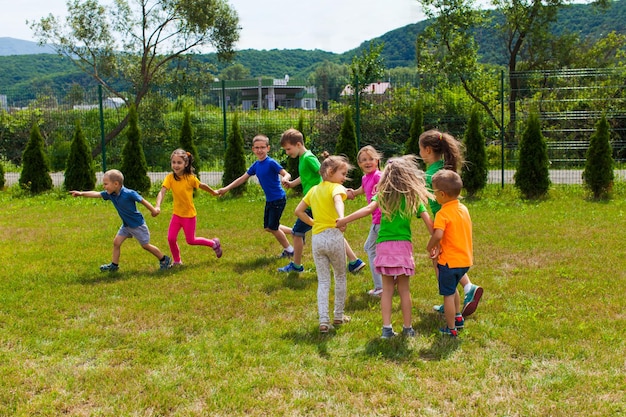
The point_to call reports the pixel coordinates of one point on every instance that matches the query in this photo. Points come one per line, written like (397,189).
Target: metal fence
(569,104)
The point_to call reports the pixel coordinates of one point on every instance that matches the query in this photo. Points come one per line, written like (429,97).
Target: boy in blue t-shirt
(133,223)
(269,173)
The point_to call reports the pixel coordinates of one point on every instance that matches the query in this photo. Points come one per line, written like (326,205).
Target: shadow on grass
(92,278)
(252,264)
(296,281)
(442,346)
(313,337)
(361,302)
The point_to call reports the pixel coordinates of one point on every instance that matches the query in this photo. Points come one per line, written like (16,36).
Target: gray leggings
(329,249)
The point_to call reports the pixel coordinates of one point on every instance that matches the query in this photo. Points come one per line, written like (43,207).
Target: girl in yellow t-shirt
(328,245)
(182,181)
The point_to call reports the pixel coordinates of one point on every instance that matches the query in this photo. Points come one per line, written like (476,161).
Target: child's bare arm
(433,244)
(208,189)
(302,215)
(236,183)
(285,175)
(159,199)
(362,212)
(90,194)
(150,207)
(427,221)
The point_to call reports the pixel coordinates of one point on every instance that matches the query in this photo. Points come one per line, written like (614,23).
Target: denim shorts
(273,212)
(449,278)
(300,228)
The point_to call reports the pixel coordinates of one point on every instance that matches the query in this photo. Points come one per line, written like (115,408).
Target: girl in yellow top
(182,181)
(328,245)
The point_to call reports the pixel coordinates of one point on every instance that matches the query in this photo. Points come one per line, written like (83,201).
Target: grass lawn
(233,337)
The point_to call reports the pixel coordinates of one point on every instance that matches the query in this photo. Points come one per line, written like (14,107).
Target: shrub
(532,176)
(234,160)
(474,172)
(598,173)
(2,180)
(35,174)
(412,145)
(80,173)
(134,166)
(346,146)
(187,142)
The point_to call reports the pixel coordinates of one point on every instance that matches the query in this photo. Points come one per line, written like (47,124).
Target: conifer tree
(187,142)
(532,177)
(346,146)
(474,172)
(2,180)
(598,174)
(412,145)
(134,165)
(234,160)
(35,174)
(80,172)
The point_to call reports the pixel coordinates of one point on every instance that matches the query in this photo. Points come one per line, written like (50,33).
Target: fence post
(502,125)
(224,112)
(102,141)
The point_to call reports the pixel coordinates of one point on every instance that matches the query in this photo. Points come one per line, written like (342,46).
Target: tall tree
(412,145)
(367,68)
(152,34)
(134,166)
(186,140)
(35,175)
(234,160)
(532,176)
(474,172)
(80,172)
(598,174)
(346,146)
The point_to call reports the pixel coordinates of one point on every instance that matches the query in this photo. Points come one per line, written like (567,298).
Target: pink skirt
(395,258)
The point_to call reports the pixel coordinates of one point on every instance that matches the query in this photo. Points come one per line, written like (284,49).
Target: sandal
(376,292)
(324,328)
(344,320)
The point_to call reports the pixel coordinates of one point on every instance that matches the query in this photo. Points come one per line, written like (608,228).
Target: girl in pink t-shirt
(368,159)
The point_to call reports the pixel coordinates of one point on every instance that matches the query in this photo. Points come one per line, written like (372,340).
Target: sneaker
(388,333)
(408,332)
(356,266)
(177,264)
(459,322)
(470,302)
(109,267)
(217,247)
(449,332)
(376,292)
(166,263)
(286,254)
(438,308)
(345,319)
(291,267)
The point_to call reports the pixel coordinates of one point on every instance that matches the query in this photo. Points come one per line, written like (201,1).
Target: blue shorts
(141,233)
(449,278)
(300,228)
(273,211)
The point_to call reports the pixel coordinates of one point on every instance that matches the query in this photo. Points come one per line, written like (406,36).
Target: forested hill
(52,70)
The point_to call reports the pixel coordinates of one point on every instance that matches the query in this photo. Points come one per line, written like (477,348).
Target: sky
(330,25)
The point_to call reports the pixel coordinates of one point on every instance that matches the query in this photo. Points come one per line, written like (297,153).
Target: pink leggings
(188,224)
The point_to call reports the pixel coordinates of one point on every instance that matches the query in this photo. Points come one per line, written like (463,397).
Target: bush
(532,177)
(412,145)
(35,175)
(2,180)
(598,173)
(346,146)
(474,172)
(80,173)
(134,166)
(187,142)
(234,160)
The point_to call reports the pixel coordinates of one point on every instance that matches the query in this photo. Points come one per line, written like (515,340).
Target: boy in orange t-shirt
(451,245)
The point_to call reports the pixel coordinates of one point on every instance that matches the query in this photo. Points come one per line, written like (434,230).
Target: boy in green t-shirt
(292,141)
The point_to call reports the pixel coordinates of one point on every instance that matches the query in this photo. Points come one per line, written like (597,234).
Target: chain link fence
(569,103)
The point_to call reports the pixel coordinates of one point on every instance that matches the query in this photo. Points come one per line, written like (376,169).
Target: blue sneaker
(166,262)
(445,331)
(356,266)
(471,299)
(408,332)
(438,308)
(291,268)
(388,333)
(459,322)
(109,267)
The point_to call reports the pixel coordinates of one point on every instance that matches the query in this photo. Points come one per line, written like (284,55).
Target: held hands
(222,191)
(156,212)
(76,193)
(434,252)
(350,193)
(341,224)
(286,183)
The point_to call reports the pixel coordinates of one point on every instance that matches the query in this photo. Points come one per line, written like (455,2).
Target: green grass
(232,337)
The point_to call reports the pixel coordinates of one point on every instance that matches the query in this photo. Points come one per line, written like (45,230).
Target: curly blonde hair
(402,187)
